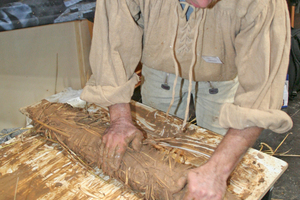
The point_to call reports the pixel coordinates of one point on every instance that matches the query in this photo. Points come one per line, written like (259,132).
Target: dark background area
(288,185)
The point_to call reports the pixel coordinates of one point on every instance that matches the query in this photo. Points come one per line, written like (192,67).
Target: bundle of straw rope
(149,171)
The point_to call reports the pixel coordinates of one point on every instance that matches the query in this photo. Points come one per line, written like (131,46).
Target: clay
(148,171)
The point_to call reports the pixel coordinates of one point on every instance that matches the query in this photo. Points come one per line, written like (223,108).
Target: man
(231,54)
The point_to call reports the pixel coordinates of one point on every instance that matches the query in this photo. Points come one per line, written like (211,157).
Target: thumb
(182,181)
(137,141)
(180,184)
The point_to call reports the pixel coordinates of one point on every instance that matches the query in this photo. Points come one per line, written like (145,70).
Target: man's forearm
(231,149)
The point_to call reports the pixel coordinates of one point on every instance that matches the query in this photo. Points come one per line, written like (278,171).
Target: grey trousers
(207,105)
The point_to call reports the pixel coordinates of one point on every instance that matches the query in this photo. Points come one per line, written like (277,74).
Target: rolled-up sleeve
(262,56)
(115,53)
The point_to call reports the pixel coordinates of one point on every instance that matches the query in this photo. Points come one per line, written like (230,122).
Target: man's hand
(205,184)
(118,136)
(208,182)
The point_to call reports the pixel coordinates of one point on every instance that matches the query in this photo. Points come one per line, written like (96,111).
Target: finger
(104,157)
(109,171)
(110,157)
(105,153)
(101,153)
(188,196)
(180,194)
(99,142)
(120,151)
(180,184)
(137,141)
(102,146)
(104,169)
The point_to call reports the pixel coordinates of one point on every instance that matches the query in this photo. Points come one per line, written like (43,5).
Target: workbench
(37,169)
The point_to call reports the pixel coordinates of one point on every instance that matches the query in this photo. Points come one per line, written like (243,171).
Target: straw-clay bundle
(153,170)
(165,157)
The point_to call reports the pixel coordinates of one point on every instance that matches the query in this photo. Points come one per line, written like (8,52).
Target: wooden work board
(34,168)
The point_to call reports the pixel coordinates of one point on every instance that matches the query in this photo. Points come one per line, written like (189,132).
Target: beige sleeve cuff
(109,95)
(233,116)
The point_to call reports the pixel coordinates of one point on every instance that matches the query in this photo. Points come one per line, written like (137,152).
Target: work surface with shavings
(33,167)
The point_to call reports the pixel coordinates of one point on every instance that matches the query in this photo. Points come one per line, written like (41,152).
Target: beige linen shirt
(245,38)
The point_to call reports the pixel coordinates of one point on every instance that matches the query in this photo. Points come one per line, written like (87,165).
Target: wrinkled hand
(205,184)
(117,137)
